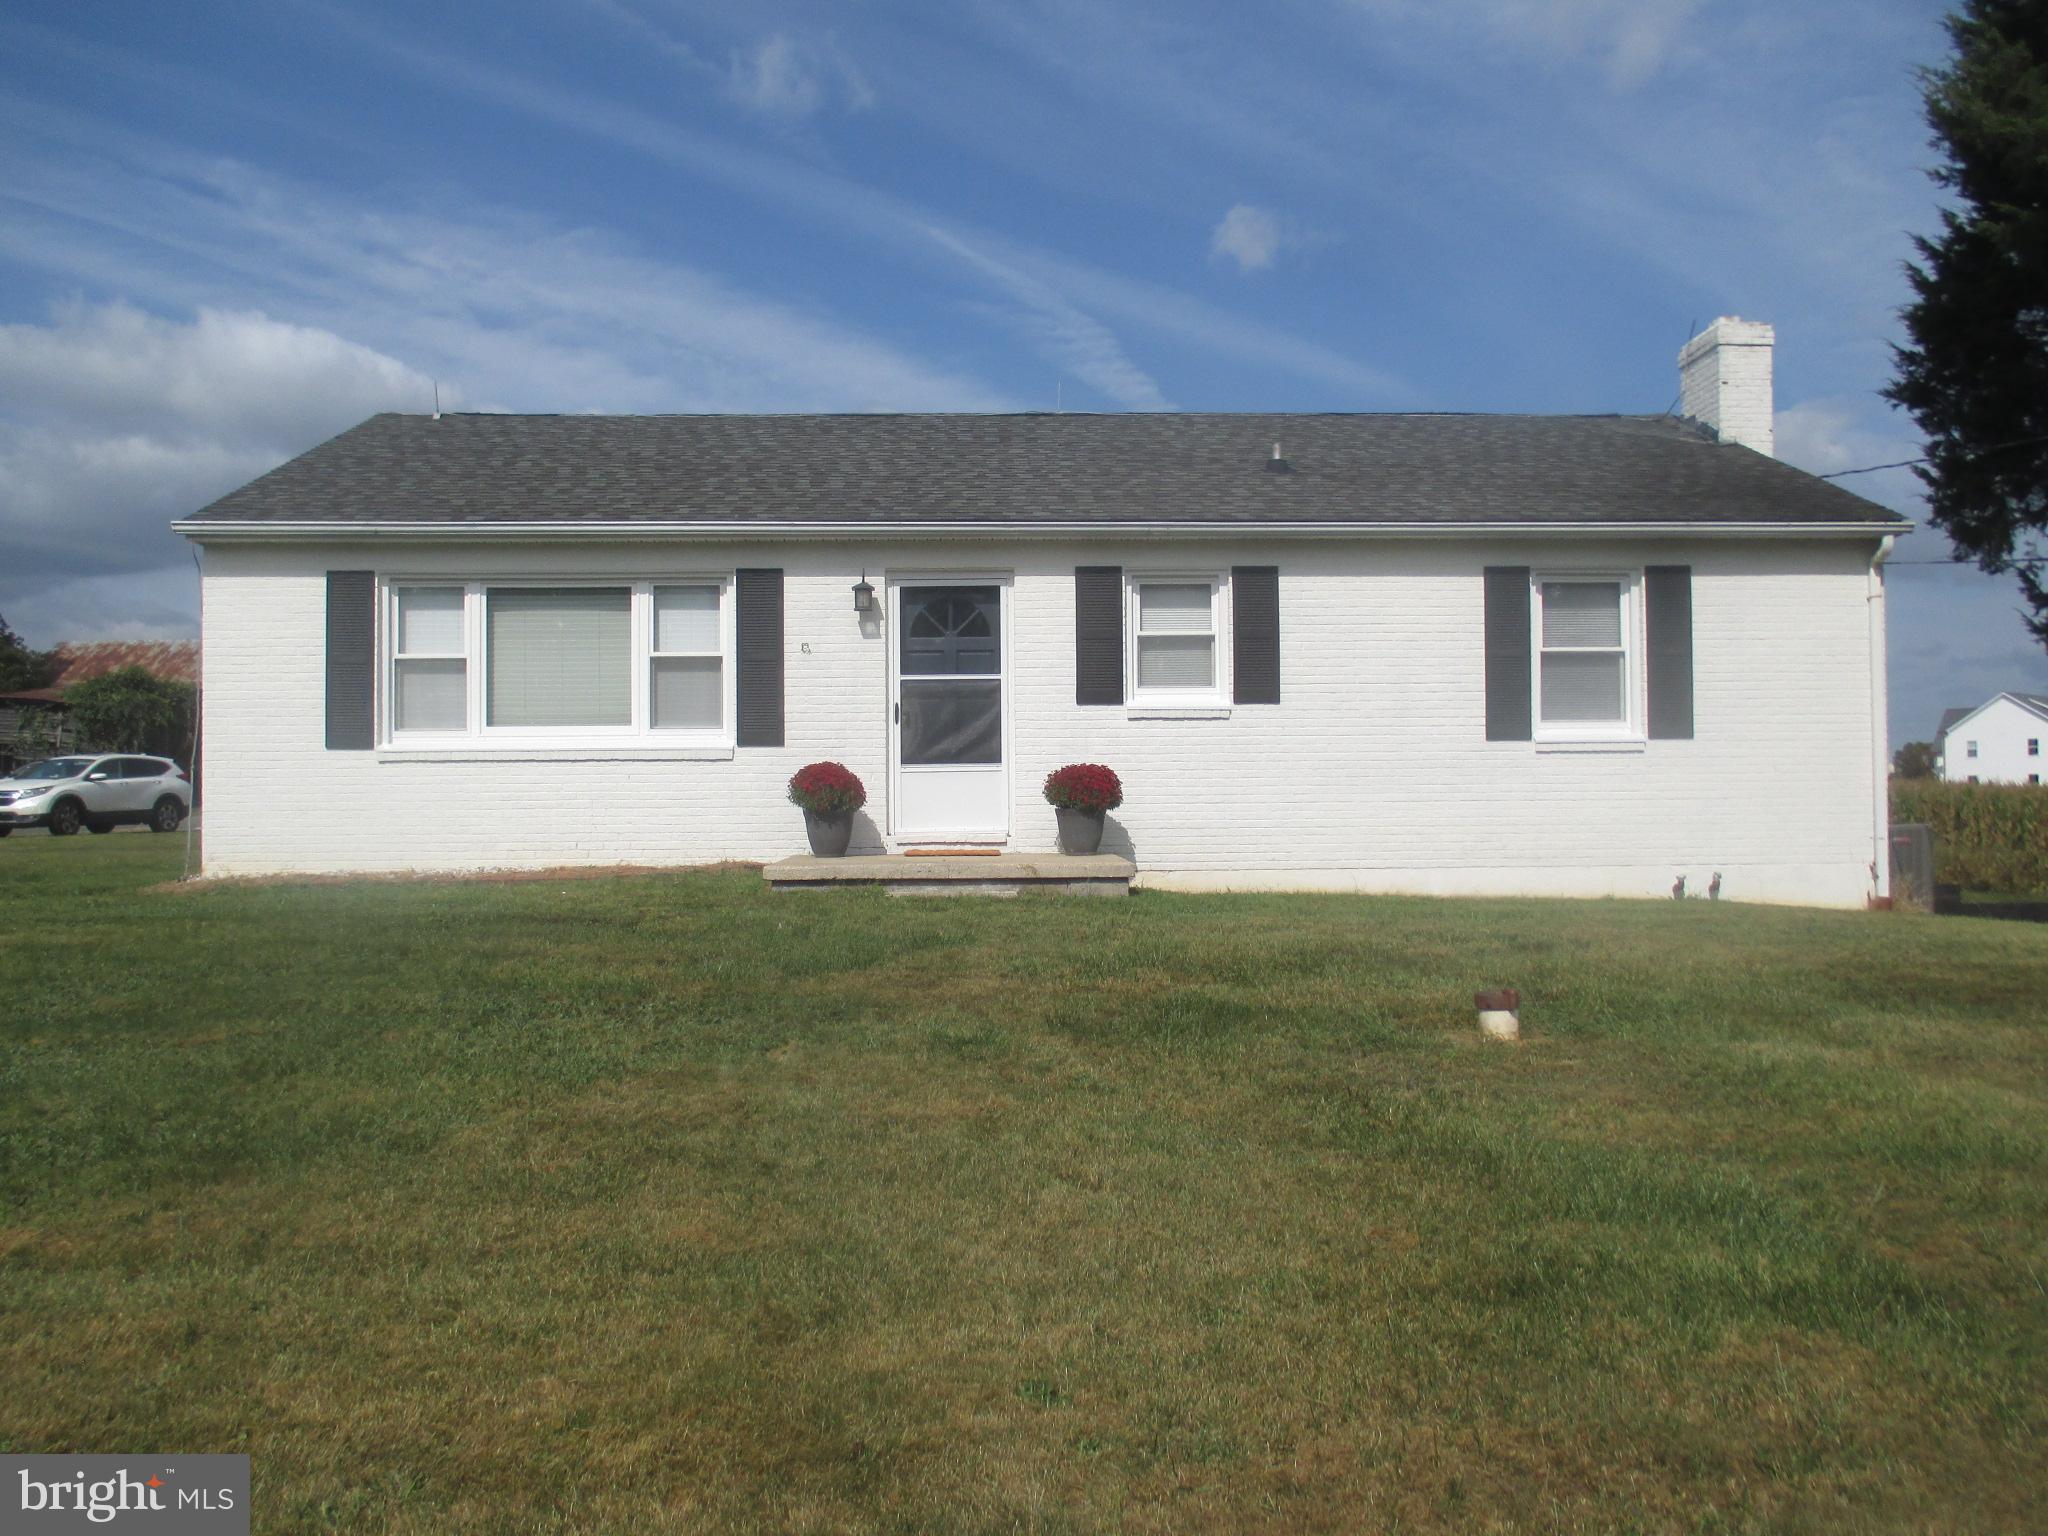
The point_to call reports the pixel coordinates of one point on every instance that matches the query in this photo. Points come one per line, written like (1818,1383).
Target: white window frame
(726,670)
(1633,703)
(1970,749)
(639,731)
(389,668)
(1217,695)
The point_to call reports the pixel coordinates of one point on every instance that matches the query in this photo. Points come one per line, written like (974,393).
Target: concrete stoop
(1096,874)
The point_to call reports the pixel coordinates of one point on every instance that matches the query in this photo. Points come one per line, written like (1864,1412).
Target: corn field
(1987,837)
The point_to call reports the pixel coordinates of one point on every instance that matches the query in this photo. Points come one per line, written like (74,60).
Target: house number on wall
(805,647)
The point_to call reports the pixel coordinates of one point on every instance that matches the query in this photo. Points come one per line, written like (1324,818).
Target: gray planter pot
(829,835)
(1080,831)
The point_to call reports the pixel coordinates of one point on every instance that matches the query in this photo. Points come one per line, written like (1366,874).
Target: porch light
(863,595)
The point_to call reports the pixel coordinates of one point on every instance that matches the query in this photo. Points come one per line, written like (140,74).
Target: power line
(1868,469)
(1871,469)
(2028,560)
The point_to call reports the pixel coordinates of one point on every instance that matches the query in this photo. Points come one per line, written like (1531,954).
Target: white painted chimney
(1724,381)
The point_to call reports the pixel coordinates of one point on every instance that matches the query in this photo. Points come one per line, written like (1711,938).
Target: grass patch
(666,1203)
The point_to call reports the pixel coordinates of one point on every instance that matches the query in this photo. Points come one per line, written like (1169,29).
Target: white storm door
(952,781)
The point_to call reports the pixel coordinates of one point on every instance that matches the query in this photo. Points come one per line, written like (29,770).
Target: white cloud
(1824,435)
(647,34)
(1248,236)
(240,378)
(1828,434)
(509,309)
(1166,312)
(789,76)
(119,421)
(1062,332)
(1631,40)
(857,209)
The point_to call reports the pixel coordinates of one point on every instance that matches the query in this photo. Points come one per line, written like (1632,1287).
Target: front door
(952,783)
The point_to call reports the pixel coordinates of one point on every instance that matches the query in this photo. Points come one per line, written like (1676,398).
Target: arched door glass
(951,663)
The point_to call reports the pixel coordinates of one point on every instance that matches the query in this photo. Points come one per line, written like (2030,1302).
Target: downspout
(1880,729)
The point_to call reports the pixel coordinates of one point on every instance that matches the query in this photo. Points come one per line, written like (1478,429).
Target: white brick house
(1560,655)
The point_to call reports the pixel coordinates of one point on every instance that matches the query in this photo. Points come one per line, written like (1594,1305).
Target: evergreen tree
(1976,375)
(22,667)
(1915,760)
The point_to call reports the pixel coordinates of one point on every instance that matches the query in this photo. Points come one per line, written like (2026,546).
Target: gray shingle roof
(2033,703)
(1037,469)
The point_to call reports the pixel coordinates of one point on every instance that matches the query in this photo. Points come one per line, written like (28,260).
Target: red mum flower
(828,789)
(1084,787)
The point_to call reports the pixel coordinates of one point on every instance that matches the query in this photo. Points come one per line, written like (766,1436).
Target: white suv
(97,793)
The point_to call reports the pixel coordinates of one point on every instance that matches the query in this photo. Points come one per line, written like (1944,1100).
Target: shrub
(130,709)
(827,789)
(1987,837)
(1084,787)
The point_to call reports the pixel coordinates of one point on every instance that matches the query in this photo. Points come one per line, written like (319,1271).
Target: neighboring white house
(1572,655)
(1998,742)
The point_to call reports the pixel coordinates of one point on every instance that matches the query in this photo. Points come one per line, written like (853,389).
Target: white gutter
(203,530)
(1880,728)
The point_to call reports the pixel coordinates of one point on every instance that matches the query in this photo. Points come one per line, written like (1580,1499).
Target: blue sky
(228,231)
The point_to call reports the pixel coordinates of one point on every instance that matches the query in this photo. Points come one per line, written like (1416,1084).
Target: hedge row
(1987,837)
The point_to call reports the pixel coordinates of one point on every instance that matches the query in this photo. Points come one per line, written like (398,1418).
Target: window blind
(1581,613)
(430,621)
(1584,670)
(686,619)
(689,693)
(1173,608)
(559,656)
(1582,687)
(1176,648)
(688,678)
(433,695)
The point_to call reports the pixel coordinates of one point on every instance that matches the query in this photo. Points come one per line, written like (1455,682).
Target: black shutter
(1508,701)
(1098,634)
(759,677)
(351,661)
(1255,633)
(1667,604)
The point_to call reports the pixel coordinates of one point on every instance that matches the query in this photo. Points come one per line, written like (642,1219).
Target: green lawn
(668,1204)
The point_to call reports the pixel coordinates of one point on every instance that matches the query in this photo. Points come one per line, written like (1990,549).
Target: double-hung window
(430,660)
(1176,633)
(686,684)
(528,664)
(1585,656)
